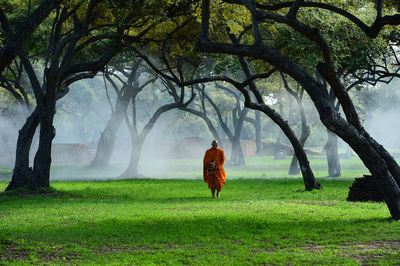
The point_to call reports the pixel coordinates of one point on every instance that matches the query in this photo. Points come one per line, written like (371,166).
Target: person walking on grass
(213,169)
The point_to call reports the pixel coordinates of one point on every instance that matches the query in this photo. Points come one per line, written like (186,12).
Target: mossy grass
(175,221)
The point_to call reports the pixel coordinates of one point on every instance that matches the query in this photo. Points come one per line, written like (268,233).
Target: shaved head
(214,143)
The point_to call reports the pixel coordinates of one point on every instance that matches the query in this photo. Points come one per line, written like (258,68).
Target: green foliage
(6,100)
(17,11)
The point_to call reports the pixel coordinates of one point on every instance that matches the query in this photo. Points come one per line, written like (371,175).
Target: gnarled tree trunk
(42,161)
(305,133)
(22,173)
(332,155)
(308,176)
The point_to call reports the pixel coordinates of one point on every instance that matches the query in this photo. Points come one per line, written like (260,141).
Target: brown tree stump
(364,189)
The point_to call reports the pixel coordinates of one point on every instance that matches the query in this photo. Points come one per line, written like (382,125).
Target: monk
(213,169)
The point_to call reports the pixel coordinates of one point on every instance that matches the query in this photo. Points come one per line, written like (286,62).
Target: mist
(84,112)
(81,122)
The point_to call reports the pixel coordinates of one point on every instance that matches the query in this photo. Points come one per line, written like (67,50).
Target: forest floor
(175,221)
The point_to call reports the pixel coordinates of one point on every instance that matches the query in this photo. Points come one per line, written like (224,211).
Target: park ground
(263,217)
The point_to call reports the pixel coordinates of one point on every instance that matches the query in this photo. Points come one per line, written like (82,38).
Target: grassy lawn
(175,221)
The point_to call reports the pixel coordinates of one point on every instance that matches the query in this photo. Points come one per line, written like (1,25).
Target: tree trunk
(238,116)
(132,170)
(138,139)
(256,122)
(305,133)
(278,139)
(22,173)
(259,146)
(106,144)
(332,155)
(308,176)
(42,161)
(391,163)
(294,168)
(237,157)
(380,171)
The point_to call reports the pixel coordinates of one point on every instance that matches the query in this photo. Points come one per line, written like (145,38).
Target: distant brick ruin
(70,153)
(193,147)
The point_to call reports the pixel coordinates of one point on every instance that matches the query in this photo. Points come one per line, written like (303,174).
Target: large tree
(139,132)
(379,162)
(259,104)
(81,42)
(114,75)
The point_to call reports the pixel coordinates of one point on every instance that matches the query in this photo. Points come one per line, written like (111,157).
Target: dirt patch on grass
(312,203)
(106,249)
(369,246)
(59,256)
(318,203)
(28,193)
(379,244)
(268,247)
(11,251)
(364,253)
(371,252)
(313,248)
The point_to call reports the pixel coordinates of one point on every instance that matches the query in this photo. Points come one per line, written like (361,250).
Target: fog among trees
(125,88)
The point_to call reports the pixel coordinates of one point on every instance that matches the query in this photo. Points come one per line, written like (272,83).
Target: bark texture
(22,173)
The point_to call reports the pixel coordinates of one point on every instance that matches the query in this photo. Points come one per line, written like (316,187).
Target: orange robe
(217,179)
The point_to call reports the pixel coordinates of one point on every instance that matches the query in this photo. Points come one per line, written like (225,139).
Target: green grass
(259,220)
(142,221)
